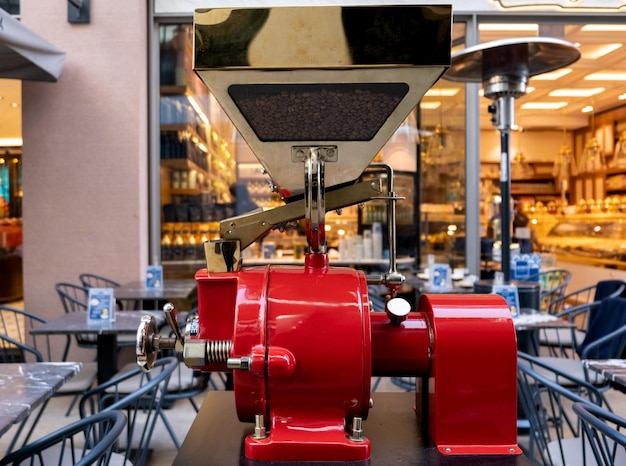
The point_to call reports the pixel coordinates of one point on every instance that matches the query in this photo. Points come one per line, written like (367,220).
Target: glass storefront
(453,185)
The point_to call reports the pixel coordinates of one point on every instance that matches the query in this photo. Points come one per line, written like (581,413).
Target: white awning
(25,55)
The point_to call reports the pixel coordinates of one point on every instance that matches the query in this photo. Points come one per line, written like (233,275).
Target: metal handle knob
(149,342)
(145,349)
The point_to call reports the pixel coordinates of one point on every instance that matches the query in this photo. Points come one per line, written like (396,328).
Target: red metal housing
(313,346)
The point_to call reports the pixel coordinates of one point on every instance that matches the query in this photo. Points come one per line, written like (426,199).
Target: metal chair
(91,280)
(604,431)
(567,307)
(74,299)
(553,285)
(185,383)
(555,436)
(589,294)
(605,339)
(143,406)
(83,443)
(17,346)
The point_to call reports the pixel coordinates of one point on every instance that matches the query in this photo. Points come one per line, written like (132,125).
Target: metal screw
(242,363)
(259,427)
(357,430)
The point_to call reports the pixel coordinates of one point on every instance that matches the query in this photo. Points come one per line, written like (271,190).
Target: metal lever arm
(250,227)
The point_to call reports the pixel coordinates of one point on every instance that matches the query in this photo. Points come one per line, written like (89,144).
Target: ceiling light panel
(543,105)
(442,92)
(607,76)
(604,28)
(552,76)
(595,51)
(528,27)
(576,92)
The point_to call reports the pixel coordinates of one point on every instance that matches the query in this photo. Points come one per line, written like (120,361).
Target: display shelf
(181,164)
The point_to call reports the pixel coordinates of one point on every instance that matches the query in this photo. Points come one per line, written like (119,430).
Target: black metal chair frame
(13,350)
(145,403)
(601,428)
(83,443)
(554,427)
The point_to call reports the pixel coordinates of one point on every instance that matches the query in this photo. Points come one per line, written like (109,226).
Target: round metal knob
(145,349)
(397,310)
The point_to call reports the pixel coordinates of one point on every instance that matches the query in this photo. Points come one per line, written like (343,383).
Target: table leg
(107,356)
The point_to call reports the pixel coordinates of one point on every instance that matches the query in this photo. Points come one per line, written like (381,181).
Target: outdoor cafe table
(25,386)
(178,291)
(613,369)
(529,323)
(126,322)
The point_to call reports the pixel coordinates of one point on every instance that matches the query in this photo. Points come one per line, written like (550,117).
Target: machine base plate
(216,438)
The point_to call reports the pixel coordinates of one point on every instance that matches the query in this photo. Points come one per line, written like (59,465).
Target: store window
(199,151)
(442,168)
(204,162)
(566,151)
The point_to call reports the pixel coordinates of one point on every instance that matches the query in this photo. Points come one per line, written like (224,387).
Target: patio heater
(504,68)
(316,91)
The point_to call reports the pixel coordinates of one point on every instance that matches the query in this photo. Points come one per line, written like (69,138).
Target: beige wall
(85,151)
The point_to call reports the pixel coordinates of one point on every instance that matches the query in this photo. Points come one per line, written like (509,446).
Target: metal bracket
(78,11)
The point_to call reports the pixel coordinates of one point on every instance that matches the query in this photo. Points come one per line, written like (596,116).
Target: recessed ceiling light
(607,76)
(552,76)
(14,105)
(10,142)
(543,105)
(444,91)
(622,97)
(604,27)
(587,109)
(430,105)
(595,51)
(576,92)
(508,27)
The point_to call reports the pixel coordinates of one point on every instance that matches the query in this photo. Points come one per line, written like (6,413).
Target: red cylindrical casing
(403,350)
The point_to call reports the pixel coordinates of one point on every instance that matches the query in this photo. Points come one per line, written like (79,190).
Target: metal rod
(505,207)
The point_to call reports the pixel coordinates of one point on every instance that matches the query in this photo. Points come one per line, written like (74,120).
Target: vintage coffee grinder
(316,92)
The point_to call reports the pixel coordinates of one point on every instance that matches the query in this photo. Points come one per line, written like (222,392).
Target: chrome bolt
(371,403)
(242,363)
(259,427)
(357,430)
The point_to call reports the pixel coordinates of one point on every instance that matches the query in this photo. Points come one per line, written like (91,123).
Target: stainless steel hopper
(339,78)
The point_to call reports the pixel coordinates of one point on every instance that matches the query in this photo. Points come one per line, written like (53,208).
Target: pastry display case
(597,239)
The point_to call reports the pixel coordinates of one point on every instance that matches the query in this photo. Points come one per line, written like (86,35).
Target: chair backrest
(553,285)
(74,299)
(85,442)
(142,405)
(601,290)
(608,318)
(609,289)
(16,343)
(90,280)
(604,433)
(555,433)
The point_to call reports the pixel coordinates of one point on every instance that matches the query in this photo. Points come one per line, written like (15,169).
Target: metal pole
(505,206)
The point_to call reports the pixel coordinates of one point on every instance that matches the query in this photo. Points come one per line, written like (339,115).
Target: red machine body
(312,345)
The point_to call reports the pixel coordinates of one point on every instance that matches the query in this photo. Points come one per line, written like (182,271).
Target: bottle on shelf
(166,244)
